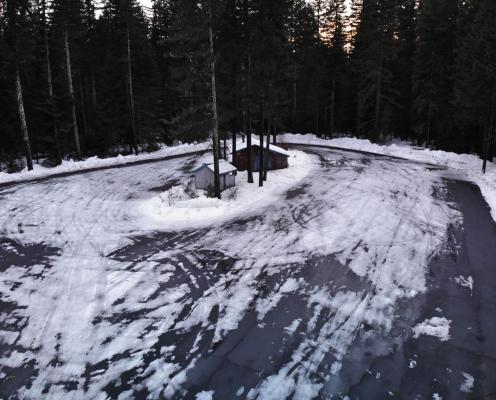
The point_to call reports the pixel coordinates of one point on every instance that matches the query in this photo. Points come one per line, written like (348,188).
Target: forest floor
(371,277)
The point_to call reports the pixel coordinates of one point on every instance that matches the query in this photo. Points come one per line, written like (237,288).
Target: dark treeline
(81,78)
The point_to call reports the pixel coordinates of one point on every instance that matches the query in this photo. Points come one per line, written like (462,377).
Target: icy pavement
(314,296)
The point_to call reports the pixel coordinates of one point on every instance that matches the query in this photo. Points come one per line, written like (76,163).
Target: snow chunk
(205,395)
(436,326)
(468,383)
(293,327)
(465,282)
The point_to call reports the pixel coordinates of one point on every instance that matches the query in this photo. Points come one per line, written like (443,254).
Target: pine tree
(433,63)
(476,77)
(375,51)
(16,17)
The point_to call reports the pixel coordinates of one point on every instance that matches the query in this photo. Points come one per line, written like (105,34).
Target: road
(315,296)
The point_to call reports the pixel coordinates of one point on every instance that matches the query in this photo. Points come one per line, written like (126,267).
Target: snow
(224,167)
(375,222)
(96,162)
(468,383)
(437,326)
(466,166)
(272,147)
(205,395)
(243,201)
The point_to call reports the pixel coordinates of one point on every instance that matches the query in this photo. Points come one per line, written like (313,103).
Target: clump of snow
(205,395)
(436,326)
(293,327)
(465,282)
(96,162)
(468,383)
(245,200)
(436,396)
(412,364)
(468,165)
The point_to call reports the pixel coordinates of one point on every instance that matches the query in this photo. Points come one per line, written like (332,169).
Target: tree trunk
(333,105)
(492,143)
(249,153)
(358,116)
(486,149)
(83,107)
(293,111)
(215,122)
(317,119)
(267,147)
(24,125)
(71,93)
(274,132)
(234,137)
(225,145)
(378,97)
(261,166)
(56,140)
(130,92)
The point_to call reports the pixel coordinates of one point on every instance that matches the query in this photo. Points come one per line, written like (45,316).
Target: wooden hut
(204,176)
(277,157)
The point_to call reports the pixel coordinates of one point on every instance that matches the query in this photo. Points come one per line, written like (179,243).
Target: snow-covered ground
(467,164)
(95,162)
(174,209)
(321,261)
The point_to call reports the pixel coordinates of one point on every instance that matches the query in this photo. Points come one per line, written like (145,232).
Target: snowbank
(175,209)
(96,162)
(467,164)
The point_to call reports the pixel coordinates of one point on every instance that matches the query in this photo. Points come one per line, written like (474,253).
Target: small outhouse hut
(204,176)
(277,157)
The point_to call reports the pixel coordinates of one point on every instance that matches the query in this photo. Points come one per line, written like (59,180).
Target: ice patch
(436,326)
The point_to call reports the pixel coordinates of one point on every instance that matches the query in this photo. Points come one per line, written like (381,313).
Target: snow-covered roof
(224,167)
(273,148)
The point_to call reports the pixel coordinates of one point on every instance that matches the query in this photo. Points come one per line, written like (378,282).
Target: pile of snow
(436,326)
(178,209)
(96,162)
(468,165)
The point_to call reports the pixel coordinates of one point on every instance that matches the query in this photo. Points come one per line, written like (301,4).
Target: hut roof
(272,148)
(224,167)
